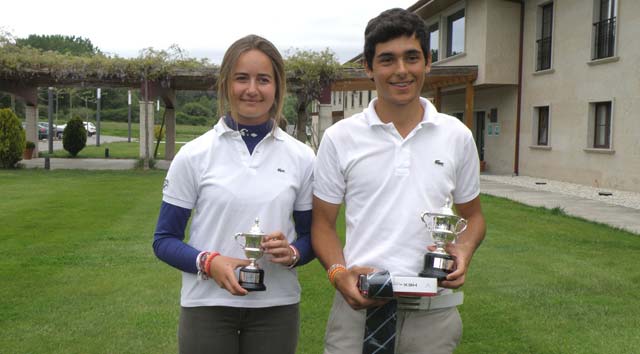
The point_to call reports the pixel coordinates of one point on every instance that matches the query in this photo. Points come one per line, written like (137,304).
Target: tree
(12,141)
(308,73)
(58,43)
(74,137)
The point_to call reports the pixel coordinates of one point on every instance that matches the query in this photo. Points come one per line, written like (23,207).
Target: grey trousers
(235,330)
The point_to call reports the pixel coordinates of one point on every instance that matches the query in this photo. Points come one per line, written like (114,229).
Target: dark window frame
(430,29)
(543,126)
(597,123)
(544,41)
(604,30)
(450,20)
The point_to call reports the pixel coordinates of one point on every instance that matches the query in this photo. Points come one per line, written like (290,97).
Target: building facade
(557,93)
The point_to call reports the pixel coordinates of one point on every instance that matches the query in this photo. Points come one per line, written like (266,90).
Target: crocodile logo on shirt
(280,170)
(165,185)
(438,162)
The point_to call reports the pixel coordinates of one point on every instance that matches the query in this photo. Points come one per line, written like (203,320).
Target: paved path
(617,216)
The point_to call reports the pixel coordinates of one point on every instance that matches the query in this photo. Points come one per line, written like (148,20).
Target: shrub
(183,118)
(11,139)
(30,145)
(74,137)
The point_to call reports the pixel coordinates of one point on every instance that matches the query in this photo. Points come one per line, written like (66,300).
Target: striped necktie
(380,329)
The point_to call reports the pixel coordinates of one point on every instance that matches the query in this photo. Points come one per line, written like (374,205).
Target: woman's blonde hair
(229,61)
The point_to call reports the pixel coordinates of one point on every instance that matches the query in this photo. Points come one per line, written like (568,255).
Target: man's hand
(347,284)
(222,270)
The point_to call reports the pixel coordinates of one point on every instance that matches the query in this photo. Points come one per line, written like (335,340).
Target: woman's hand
(277,246)
(222,270)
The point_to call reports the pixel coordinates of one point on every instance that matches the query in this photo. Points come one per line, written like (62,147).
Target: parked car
(88,126)
(43,130)
(91,129)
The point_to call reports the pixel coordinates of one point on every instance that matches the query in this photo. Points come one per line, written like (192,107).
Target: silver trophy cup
(444,226)
(251,276)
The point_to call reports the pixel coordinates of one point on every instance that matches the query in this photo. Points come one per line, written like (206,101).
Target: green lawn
(117,150)
(78,275)
(183,132)
(125,150)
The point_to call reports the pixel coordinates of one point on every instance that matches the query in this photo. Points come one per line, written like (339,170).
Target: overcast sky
(202,28)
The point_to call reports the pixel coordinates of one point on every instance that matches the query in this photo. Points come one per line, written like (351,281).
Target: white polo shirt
(228,188)
(386,182)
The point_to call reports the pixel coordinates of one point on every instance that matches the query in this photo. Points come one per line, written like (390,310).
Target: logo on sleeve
(165,185)
(281,170)
(438,162)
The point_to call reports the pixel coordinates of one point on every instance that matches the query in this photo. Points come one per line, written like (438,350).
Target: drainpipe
(516,160)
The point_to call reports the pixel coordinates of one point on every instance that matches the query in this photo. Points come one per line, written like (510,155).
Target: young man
(388,164)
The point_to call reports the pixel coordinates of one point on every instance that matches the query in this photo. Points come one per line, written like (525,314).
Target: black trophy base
(437,266)
(252,279)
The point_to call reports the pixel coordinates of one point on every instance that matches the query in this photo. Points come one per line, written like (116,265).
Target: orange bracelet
(207,263)
(333,271)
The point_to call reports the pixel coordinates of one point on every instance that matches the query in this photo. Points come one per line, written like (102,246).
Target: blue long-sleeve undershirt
(169,245)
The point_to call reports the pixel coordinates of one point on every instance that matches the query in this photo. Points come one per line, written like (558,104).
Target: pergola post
(437,98)
(468,106)
(170,133)
(31,118)
(325,114)
(144,135)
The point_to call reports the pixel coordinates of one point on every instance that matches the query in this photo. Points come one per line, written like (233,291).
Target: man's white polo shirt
(386,182)
(228,188)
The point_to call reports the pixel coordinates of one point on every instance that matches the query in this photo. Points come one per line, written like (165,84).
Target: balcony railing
(544,53)
(604,37)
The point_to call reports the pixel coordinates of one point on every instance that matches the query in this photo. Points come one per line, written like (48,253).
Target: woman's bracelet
(200,260)
(207,263)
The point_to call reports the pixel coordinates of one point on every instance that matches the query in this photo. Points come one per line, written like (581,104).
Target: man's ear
(428,66)
(368,71)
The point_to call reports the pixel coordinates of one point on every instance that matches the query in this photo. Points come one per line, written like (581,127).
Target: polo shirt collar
(430,116)
(221,128)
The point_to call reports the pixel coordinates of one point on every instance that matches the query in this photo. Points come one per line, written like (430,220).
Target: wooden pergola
(25,86)
(438,78)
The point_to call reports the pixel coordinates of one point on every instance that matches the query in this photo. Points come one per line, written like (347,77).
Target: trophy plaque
(251,276)
(444,227)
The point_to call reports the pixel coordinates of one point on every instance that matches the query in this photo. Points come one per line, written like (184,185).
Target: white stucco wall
(574,82)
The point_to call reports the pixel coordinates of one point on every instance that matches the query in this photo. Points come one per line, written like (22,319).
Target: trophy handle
(426,222)
(238,241)
(461,225)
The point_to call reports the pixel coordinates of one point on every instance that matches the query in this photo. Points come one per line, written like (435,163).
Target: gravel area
(617,197)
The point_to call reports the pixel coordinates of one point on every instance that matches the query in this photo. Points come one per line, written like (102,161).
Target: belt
(428,303)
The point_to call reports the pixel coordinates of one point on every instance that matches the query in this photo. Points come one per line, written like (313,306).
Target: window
(459,115)
(543,43)
(543,125)
(353,99)
(333,96)
(604,29)
(455,33)
(602,127)
(339,97)
(369,101)
(433,36)
(360,98)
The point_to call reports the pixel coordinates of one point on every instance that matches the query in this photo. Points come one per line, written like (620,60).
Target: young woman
(245,168)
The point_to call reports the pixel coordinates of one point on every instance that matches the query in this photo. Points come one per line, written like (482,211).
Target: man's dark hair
(392,24)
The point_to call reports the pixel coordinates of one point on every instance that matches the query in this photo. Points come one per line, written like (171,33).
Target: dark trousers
(231,330)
